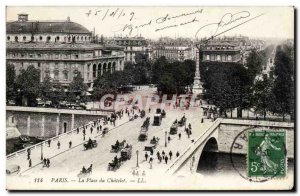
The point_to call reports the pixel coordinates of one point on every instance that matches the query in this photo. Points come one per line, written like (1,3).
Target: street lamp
(166,138)
(137,158)
(42,157)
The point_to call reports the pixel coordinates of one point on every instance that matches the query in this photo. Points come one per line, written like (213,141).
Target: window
(32,38)
(8,38)
(48,38)
(41,38)
(76,56)
(24,38)
(30,55)
(57,38)
(16,38)
(229,58)
(39,55)
(65,75)
(39,65)
(218,57)
(56,65)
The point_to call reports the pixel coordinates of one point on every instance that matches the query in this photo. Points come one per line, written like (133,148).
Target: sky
(155,22)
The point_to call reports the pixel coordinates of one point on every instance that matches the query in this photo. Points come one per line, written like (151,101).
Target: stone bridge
(220,138)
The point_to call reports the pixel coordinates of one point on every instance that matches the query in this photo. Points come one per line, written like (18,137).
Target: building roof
(17,27)
(58,46)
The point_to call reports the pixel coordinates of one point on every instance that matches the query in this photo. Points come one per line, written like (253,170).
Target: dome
(45,27)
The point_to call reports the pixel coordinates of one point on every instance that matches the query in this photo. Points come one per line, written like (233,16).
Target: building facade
(59,49)
(174,53)
(132,46)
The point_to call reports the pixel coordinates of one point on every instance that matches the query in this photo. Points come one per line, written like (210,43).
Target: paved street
(72,160)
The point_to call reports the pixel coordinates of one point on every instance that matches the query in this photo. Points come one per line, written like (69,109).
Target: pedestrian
(158,154)
(170,154)
(100,127)
(151,151)
(149,109)
(202,120)
(45,162)
(159,158)
(166,159)
(179,135)
(91,130)
(49,142)
(48,162)
(137,173)
(163,154)
(58,145)
(151,160)
(83,131)
(70,144)
(30,163)
(146,156)
(28,153)
(133,172)
(83,136)
(97,129)
(144,173)
(169,139)
(177,154)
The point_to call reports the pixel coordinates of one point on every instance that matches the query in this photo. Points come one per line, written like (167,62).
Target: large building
(59,49)
(174,53)
(132,46)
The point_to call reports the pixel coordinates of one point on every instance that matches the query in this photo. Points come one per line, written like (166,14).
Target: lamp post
(166,138)
(137,158)
(42,157)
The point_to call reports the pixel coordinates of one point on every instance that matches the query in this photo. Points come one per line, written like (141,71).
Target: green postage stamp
(266,154)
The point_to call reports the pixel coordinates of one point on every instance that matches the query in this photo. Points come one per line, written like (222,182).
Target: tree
(263,97)
(28,86)
(255,60)
(10,81)
(283,83)
(78,85)
(46,87)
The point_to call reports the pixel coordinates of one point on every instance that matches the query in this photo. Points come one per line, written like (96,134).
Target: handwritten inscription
(135,23)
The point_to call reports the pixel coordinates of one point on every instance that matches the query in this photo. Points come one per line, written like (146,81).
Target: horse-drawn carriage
(118,146)
(143,113)
(126,153)
(174,128)
(135,116)
(114,164)
(154,140)
(85,172)
(90,144)
(182,121)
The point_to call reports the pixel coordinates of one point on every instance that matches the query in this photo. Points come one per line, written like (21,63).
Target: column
(57,124)
(43,126)
(28,125)
(72,122)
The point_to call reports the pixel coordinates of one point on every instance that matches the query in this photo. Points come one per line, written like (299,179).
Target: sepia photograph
(151,98)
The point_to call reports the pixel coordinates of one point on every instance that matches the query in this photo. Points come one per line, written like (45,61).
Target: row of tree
(26,87)
(231,85)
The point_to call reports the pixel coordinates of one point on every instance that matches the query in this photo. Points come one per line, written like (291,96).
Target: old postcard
(150,98)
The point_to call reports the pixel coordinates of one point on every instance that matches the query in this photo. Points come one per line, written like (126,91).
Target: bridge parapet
(224,138)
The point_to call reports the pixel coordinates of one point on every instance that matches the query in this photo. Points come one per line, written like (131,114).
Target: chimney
(22,17)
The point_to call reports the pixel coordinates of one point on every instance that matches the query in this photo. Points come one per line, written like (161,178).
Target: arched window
(81,38)
(48,38)
(104,67)
(8,38)
(99,69)
(41,38)
(114,66)
(32,38)
(16,38)
(109,67)
(24,38)
(57,38)
(94,70)
(229,58)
